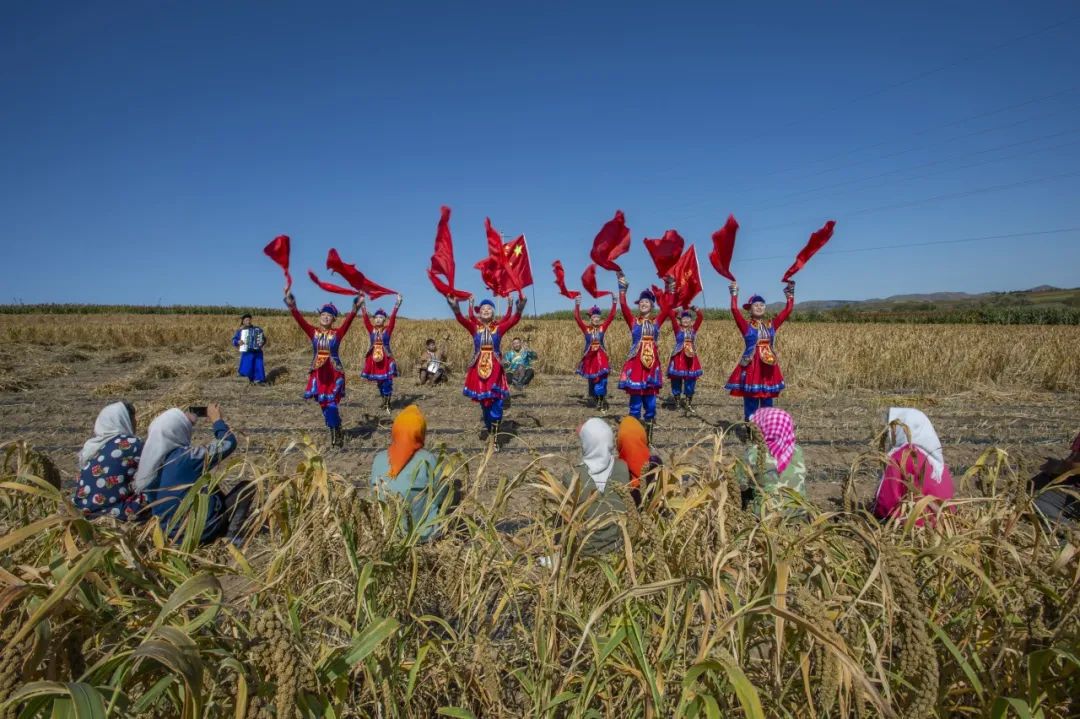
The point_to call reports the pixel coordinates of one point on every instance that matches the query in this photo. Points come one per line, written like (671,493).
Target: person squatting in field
(379,364)
(594,365)
(641,377)
(774,473)
(684,366)
(757,377)
(485,379)
(250,340)
(107,465)
(915,464)
(326,380)
(433,362)
(518,364)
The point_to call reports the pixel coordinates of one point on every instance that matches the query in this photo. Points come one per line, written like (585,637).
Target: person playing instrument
(518,364)
(485,379)
(250,340)
(684,366)
(642,376)
(379,364)
(326,380)
(433,366)
(594,365)
(757,377)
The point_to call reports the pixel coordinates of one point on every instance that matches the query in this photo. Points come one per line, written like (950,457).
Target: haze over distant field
(152,149)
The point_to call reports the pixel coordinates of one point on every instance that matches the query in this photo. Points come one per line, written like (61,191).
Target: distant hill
(1042,296)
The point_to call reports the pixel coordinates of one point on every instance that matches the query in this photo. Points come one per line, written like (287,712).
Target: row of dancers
(756,378)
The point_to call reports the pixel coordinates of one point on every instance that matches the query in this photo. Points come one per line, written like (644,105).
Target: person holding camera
(518,364)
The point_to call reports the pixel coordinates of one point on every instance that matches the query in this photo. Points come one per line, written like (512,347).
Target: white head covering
(922,436)
(169,430)
(597,450)
(113,421)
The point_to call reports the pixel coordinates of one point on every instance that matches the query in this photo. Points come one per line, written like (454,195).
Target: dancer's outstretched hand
(290,299)
(733,288)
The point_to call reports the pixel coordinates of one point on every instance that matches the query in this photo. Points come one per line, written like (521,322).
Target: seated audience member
(633,446)
(774,462)
(433,363)
(170,466)
(1059,501)
(413,473)
(596,481)
(107,465)
(518,364)
(915,462)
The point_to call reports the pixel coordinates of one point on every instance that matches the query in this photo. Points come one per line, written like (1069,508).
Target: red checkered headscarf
(778,429)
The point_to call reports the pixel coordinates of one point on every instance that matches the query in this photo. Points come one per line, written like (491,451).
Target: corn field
(335,610)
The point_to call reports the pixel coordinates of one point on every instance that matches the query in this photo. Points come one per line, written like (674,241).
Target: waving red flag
(612,241)
(815,243)
(588,281)
(518,262)
(278,251)
(687,276)
(355,277)
(723,245)
(560,281)
(330,287)
(495,269)
(665,252)
(442,267)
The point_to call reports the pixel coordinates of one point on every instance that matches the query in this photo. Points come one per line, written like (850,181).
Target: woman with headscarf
(594,365)
(107,465)
(757,377)
(774,461)
(596,481)
(250,340)
(633,446)
(642,374)
(326,380)
(915,462)
(485,379)
(413,473)
(379,364)
(170,467)
(1057,487)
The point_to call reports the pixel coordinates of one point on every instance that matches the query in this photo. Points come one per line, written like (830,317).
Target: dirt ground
(56,413)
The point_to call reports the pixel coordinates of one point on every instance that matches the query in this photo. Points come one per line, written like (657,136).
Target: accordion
(252,339)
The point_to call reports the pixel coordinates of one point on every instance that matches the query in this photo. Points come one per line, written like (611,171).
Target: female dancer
(326,382)
(757,377)
(684,367)
(379,364)
(642,376)
(485,380)
(594,365)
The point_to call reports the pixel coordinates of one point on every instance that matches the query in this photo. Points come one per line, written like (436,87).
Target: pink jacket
(908,467)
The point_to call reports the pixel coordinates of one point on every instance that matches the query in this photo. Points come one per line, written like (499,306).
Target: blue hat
(752,300)
(647,295)
(379,313)
(329,309)
(685,313)
(487,302)
(594,310)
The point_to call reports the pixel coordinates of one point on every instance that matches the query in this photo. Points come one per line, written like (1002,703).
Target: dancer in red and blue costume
(485,380)
(594,365)
(326,381)
(684,365)
(642,374)
(379,364)
(757,378)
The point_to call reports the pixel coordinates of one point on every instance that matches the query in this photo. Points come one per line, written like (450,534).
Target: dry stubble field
(1016,388)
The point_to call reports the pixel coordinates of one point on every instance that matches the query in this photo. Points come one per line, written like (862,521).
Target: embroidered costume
(485,379)
(684,365)
(379,364)
(642,374)
(250,341)
(595,365)
(757,378)
(326,381)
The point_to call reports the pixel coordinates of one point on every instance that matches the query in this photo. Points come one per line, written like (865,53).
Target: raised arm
(699,319)
(510,309)
(364,314)
(290,301)
(782,316)
(469,323)
(577,317)
(514,316)
(392,319)
(627,313)
(740,321)
(347,322)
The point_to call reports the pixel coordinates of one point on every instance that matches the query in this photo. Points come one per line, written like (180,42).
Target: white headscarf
(113,421)
(169,430)
(922,436)
(598,450)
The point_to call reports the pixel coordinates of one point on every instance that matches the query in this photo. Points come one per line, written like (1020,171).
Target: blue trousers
(251,366)
(646,401)
(386,387)
(678,385)
(752,404)
(332,416)
(493,411)
(598,387)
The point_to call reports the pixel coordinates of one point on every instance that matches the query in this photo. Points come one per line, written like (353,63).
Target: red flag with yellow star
(518,263)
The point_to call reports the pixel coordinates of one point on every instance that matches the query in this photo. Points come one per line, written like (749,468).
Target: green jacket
(606,508)
(419,483)
(768,484)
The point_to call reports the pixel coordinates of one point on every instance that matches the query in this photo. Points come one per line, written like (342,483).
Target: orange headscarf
(406,438)
(633,448)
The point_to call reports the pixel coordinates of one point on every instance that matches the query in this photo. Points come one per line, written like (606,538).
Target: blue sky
(152,149)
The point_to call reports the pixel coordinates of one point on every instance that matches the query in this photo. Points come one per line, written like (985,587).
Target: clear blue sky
(152,148)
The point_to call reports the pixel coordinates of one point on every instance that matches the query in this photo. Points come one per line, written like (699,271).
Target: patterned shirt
(515,360)
(104,487)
